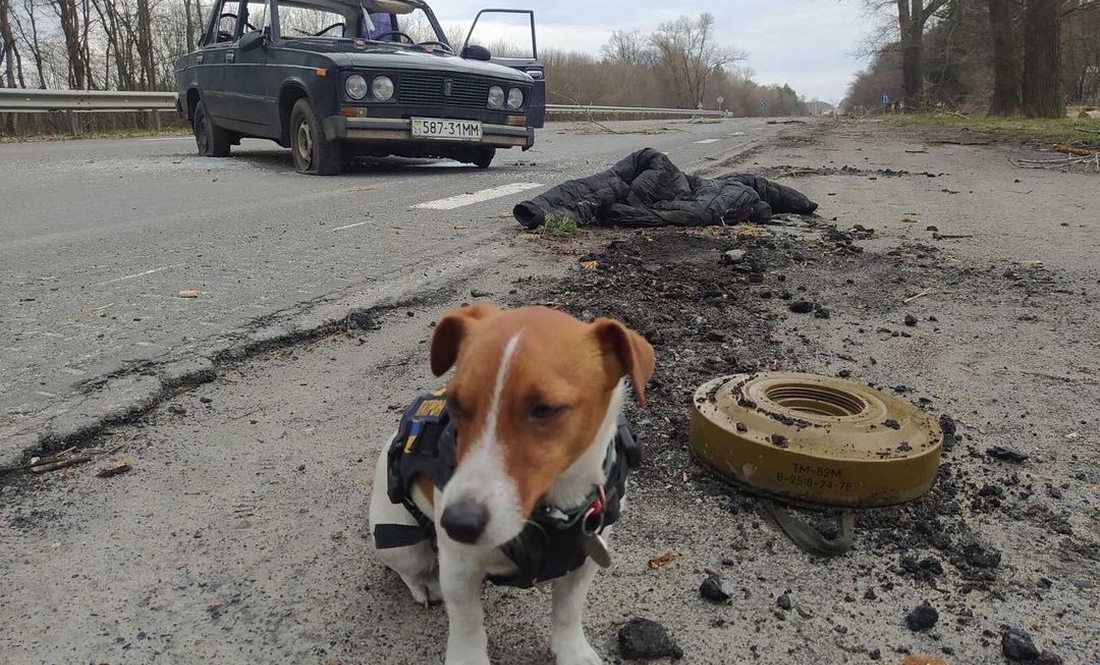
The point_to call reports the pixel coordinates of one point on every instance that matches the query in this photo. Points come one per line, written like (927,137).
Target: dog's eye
(545,412)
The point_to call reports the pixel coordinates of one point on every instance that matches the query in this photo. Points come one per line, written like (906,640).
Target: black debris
(910,320)
(923,617)
(784,601)
(980,556)
(1006,454)
(643,639)
(713,590)
(947,424)
(801,307)
(1018,647)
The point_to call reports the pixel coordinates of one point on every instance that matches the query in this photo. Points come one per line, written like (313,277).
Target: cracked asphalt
(101,236)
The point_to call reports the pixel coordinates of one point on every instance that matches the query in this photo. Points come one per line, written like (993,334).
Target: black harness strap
(388,536)
(552,543)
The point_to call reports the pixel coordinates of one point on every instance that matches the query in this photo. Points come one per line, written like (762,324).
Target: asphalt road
(99,237)
(240,534)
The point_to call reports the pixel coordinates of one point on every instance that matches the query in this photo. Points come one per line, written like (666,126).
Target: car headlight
(496,97)
(356,86)
(515,98)
(382,88)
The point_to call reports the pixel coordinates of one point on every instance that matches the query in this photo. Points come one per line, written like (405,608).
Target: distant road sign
(721,99)
(885,98)
(763,103)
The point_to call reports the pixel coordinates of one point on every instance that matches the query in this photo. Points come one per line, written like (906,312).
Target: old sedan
(332,79)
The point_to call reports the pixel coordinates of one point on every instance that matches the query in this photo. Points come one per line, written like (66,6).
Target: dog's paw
(424,589)
(432,592)
(575,652)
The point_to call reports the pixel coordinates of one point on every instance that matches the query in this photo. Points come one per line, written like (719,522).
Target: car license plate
(447,130)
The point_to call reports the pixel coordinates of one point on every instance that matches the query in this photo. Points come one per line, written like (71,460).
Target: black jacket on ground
(647,189)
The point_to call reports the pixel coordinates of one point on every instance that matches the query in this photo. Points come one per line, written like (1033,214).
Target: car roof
(338,6)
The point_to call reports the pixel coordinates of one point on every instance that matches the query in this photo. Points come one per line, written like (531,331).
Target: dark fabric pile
(646,189)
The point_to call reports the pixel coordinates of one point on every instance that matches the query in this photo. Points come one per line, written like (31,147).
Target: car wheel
(484,157)
(211,140)
(313,153)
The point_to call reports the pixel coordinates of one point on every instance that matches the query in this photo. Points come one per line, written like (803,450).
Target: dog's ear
(451,330)
(626,353)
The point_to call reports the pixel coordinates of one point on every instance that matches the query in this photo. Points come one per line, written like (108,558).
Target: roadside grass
(1063,130)
(121,133)
(561,228)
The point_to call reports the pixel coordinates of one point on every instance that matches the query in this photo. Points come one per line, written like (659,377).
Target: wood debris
(119,467)
(657,563)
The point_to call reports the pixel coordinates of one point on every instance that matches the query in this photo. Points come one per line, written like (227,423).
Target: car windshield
(390,21)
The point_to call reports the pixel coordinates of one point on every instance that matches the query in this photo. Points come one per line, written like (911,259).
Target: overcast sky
(806,43)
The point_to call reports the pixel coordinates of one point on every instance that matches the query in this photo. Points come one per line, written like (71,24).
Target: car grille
(421,88)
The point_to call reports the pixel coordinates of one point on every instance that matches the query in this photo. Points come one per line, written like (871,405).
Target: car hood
(345,53)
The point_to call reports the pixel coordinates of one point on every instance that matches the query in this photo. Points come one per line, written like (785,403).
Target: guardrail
(18,100)
(564,109)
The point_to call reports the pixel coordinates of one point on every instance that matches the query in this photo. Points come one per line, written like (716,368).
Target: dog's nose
(464,521)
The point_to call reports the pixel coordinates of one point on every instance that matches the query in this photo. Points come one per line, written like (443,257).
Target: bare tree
(27,26)
(688,51)
(9,53)
(913,16)
(628,47)
(1005,59)
(1042,89)
(69,15)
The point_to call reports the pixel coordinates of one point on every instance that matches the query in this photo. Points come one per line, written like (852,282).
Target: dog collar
(593,504)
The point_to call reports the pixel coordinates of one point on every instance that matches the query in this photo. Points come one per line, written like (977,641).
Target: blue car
(333,79)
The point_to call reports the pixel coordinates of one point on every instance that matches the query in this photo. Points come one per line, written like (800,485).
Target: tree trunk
(190,23)
(1043,96)
(145,45)
(1006,63)
(70,27)
(911,29)
(7,45)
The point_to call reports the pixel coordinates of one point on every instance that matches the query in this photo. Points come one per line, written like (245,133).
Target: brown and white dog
(535,398)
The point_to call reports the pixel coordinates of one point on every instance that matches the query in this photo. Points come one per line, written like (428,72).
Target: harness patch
(553,542)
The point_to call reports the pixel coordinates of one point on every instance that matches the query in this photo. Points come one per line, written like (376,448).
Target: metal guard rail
(18,100)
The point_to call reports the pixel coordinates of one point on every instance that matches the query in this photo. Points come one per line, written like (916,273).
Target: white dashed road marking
(477,197)
(349,226)
(705,141)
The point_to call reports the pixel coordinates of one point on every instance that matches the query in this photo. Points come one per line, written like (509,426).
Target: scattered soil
(724,301)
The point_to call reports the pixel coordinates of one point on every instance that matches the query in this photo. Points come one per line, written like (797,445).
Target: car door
(520,55)
(222,32)
(246,89)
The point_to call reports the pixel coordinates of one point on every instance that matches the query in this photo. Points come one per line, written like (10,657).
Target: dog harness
(553,542)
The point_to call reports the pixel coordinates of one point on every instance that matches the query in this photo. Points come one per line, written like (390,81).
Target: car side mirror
(252,40)
(475,52)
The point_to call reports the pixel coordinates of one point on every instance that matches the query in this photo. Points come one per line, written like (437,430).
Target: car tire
(313,153)
(211,140)
(484,157)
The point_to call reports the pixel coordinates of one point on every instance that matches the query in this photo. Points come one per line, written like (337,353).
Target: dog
(533,409)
